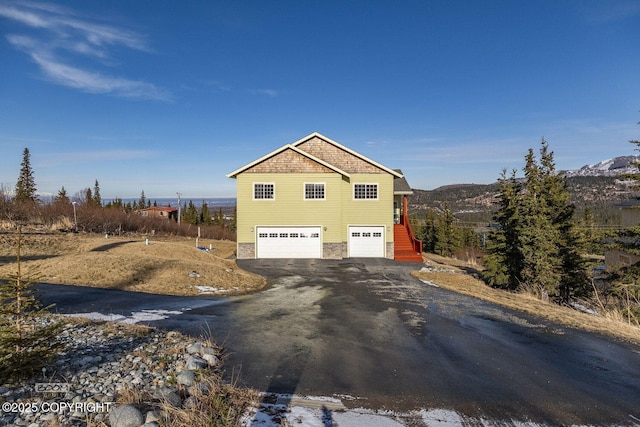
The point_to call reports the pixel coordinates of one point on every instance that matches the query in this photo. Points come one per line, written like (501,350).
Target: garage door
(366,242)
(289,242)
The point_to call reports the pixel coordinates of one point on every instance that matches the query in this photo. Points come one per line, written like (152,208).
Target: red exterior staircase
(405,246)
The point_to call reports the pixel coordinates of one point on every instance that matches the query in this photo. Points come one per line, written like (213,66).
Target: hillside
(166,265)
(599,187)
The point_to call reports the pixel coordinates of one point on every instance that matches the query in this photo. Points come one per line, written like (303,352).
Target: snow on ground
(426,282)
(136,316)
(315,412)
(329,412)
(210,290)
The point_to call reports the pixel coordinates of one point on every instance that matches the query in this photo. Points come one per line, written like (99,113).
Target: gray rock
(169,395)
(212,359)
(208,350)
(194,348)
(195,362)
(125,416)
(152,417)
(186,378)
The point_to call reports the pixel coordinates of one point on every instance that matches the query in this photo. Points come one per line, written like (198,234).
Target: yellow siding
(336,212)
(289,206)
(369,212)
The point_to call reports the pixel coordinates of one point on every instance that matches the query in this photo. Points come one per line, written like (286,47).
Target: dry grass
(460,278)
(129,395)
(127,263)
(212,403)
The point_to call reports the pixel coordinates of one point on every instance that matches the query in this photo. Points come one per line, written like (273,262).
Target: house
(316,198)
(165,212)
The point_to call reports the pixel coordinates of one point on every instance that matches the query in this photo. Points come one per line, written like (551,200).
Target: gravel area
(112,374)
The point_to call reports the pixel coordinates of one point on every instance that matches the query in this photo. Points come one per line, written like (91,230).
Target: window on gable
(365,191)
(314,191)
(263,191)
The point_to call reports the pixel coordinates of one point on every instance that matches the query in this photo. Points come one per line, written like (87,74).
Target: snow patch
(210,290)
(426,282)
(136,316)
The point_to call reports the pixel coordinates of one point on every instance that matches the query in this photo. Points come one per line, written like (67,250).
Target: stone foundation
(334,250)
(329,250)
(246,251)
(390,249)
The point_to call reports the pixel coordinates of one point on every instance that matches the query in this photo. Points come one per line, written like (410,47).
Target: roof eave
(348,150)
(281,149)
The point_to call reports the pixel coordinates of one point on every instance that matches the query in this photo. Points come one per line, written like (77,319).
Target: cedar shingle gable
(288,161)
(338,157)
(315,153)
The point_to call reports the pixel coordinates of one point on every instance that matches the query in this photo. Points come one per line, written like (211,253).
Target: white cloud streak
(272,93)
(63,30)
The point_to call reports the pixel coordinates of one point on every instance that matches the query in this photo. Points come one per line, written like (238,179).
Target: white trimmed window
(264,191)
(365,191)
(314,191)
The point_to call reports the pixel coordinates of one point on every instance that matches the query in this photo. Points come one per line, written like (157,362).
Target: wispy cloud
(57,30)
(267,92)
(603,12)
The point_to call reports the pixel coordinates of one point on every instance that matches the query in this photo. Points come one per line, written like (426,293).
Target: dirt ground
(166,265)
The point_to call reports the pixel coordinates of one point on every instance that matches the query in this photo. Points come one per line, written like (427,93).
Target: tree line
(87,211)
(538,241)
(534,242)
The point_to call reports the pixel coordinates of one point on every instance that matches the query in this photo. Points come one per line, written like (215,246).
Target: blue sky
(168,96)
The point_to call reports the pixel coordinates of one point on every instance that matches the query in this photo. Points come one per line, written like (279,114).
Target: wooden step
(403,246)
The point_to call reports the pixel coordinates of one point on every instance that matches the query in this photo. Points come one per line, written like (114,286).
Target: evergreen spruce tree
(538,236)
(537,245)
(504,260)
(429,235)
(574,279)
(62,198)
(191,215)
(26,185)
(96,199)
(142,203)
(26,343)
(446,233)
(233,225)
(220,220)
(205,215)
(88,197)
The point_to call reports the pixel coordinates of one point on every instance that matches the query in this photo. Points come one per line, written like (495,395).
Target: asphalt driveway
(370,332)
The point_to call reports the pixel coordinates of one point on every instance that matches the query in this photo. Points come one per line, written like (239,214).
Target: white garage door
(366,242)
(289,242)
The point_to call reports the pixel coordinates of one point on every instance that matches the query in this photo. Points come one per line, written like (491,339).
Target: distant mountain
(611,167)
(597,186)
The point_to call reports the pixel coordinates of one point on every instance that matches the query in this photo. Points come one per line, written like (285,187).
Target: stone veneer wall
(390,249)
(334,250)
(329,250)
(246,251)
